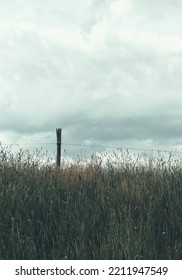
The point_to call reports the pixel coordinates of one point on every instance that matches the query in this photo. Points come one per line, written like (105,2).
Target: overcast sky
(108,72)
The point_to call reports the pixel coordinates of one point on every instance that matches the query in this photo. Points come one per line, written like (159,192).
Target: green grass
(132,211)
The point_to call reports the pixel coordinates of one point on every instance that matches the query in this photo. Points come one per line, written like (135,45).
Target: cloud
(120,8)
(104,71)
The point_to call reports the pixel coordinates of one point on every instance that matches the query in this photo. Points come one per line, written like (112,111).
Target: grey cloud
(119,89)
(103,130)
(139,128)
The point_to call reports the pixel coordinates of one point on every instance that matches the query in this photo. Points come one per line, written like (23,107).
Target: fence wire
(90,145)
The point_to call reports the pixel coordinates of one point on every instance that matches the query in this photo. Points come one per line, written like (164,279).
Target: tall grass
(131,210)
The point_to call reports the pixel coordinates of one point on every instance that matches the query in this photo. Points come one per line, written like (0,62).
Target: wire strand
(88,145)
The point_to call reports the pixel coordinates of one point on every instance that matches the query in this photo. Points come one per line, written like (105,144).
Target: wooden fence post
(58,133)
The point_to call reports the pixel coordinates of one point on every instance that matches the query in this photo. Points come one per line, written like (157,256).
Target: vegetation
(129,210)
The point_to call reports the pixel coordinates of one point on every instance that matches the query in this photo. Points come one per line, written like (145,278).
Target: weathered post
(58,133)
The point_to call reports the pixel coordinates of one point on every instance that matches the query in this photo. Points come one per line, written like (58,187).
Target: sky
(108,72)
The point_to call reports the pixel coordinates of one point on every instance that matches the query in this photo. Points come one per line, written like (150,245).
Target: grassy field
(129,211)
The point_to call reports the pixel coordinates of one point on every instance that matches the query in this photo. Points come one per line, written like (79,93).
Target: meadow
(126,211)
